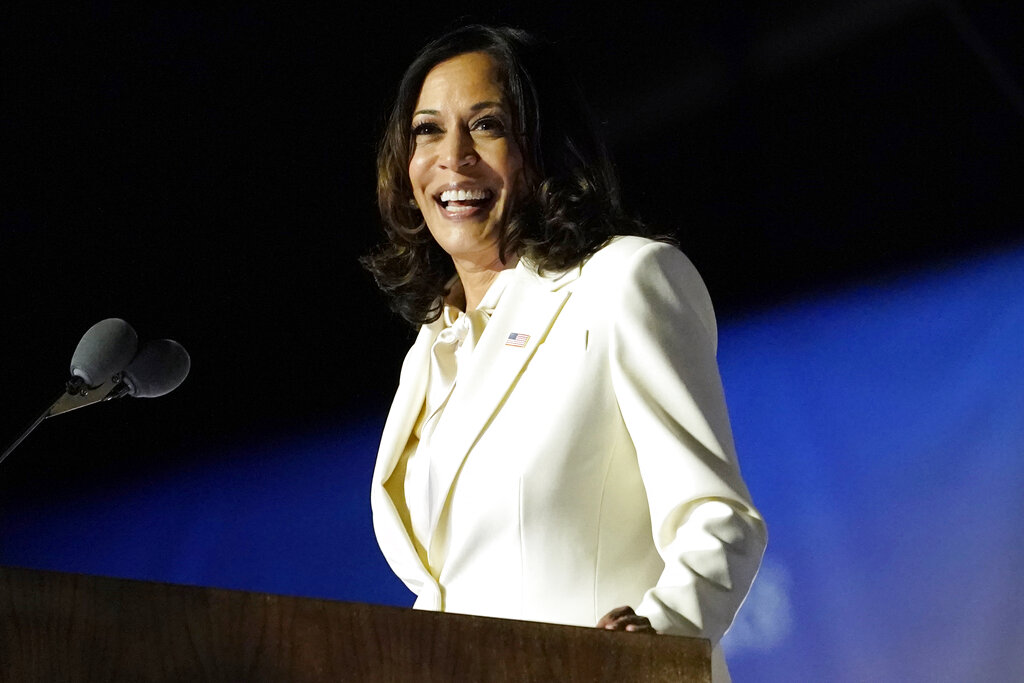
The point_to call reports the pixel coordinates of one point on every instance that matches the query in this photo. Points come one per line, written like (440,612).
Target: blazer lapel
(527,309)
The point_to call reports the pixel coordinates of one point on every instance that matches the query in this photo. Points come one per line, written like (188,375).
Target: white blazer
(593,466)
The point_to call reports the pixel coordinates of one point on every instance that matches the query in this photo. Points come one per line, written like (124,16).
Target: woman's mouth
(464,203)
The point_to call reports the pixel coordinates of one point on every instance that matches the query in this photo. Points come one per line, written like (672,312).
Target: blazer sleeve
(666,381)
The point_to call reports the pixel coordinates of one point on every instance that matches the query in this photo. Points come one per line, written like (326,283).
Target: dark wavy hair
(572,206)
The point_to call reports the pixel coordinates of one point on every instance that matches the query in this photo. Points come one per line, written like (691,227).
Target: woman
(559,448)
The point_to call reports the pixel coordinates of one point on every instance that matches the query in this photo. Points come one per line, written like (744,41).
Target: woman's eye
(425,129)
(490,123)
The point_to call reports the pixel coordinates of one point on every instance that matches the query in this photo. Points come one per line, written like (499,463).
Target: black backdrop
(208,175)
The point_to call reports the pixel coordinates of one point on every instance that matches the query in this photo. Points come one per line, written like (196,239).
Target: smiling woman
(568,203)
(559,447)
(466,167)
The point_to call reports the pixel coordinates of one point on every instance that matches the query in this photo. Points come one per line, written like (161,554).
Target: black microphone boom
(105,365)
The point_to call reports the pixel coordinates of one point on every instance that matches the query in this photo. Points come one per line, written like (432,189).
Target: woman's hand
(625,619)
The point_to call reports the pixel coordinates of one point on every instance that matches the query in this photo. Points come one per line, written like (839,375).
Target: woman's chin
(480,251)
(465,237)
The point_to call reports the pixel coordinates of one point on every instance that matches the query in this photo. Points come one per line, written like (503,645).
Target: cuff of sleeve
(668,620)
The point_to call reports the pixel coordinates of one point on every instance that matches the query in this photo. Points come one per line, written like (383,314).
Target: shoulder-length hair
(572,204)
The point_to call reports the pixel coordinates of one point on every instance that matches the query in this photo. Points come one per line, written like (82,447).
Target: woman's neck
(475,282)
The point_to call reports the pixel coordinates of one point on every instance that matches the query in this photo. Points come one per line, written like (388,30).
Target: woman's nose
(458,151)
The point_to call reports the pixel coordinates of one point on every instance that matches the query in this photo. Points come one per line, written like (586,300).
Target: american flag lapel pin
(517,339)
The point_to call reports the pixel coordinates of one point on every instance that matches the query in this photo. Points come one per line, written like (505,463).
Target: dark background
(208,175)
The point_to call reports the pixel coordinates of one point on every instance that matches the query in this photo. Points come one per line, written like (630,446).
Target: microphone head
(104,350)
(162,364)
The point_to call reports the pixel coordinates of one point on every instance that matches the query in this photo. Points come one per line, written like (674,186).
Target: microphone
(107,364)
(105,349)
(160,366)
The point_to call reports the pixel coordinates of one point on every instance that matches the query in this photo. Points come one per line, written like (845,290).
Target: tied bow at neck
(453,346)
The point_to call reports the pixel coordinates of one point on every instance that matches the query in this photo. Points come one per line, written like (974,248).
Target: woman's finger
(625,619)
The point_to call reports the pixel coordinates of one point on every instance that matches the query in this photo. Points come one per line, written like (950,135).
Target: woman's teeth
(463,201)
(464,195)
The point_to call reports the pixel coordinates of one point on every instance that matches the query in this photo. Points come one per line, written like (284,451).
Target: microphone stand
(75,395)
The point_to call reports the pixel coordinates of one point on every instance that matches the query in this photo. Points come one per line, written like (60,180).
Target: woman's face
(466,166)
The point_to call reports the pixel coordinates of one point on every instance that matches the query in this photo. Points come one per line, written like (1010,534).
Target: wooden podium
(71,627)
